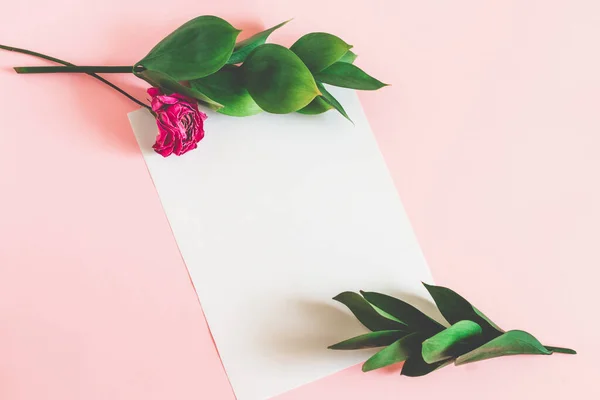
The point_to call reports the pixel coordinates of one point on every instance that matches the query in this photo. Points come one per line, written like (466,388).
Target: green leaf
(398,351)
(226,86)
(328,97)
(349,76)
(387,315)
(196,49)
(366,314)
(404,312)
(416,366)
(349,57)
(455,308)
(243,48)
(317,106)
(460,338)
(319,50)
(278,80)
(369,340)
(169,85)
(510,343)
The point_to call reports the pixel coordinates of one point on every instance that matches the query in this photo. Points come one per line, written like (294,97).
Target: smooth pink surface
(491,130)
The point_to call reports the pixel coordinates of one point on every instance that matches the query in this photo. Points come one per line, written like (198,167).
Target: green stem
(560,350)
(70,69)
(58,61)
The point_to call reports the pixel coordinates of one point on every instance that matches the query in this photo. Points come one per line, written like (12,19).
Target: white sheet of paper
(274,215)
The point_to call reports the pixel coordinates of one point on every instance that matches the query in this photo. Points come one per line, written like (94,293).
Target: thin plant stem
(58,61)
(71,69)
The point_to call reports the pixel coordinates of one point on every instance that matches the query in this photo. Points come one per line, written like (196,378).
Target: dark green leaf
(319,50)
(243,48)
(455,308)
(278,80)
(367,314)
(460,338)
(196,49)
(510,343)
(396,352)
(317,106)
(328,97)
(403,311)
(168,86)
(416,366)
(349,76)
(349,57)
(226,86)
(368,340)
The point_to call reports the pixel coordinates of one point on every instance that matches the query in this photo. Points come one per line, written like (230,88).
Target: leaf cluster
(425,345)
(202,60)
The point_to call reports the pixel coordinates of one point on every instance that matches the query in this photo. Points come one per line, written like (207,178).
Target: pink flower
(180,123)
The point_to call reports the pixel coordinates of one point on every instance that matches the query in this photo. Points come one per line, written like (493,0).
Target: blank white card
(274,215)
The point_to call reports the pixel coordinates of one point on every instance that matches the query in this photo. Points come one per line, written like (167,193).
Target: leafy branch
(253,76)
(425,345)
(202,60)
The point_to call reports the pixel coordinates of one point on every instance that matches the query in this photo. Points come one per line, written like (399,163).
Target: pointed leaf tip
(278,80)
(319,50)
(369,340)
(455,308)
(331,100)
(561,350)
(348,75)
(401,310)
(366,314)
(396,352)
(510,343)
(245,47)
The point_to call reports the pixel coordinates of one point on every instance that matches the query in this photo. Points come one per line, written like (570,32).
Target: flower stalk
(65,63)
(75,69)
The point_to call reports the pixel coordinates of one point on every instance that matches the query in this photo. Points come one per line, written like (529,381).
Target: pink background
(491,130)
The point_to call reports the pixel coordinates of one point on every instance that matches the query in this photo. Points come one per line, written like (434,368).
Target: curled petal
(180,123)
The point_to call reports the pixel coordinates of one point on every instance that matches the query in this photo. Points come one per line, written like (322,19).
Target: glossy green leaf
(455,308)
(396,352)
(317,106)
(416,366)
(226,87)
(403,311)
(366,314)
(328,97)
(369,340)
(278,80)
(349,57)
(243,48)
(460,338)
(196,49)
(349,76)
(319,50)
(168,85)
(510,343)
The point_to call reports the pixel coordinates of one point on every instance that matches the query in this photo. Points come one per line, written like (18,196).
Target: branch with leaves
(424,344)
(201,60)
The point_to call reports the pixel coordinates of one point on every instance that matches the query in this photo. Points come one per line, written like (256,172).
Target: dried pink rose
(180,123)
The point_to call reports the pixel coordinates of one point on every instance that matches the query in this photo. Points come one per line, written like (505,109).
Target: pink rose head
(180,123)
